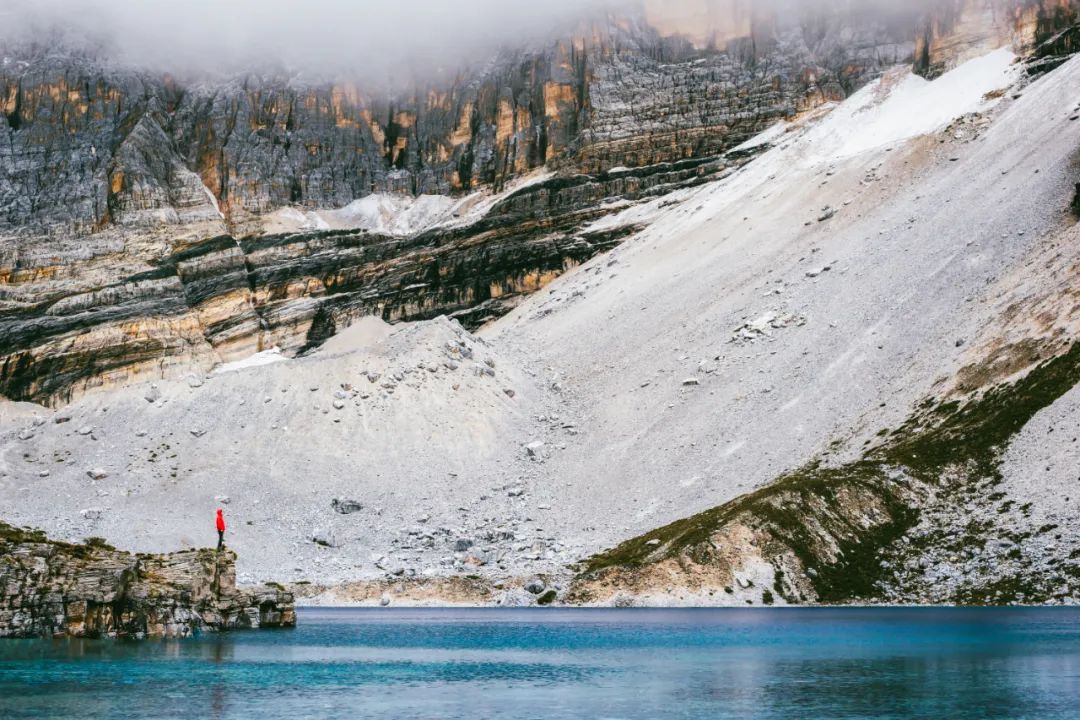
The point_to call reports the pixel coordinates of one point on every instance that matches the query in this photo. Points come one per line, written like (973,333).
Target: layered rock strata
(50,589)
(133,205)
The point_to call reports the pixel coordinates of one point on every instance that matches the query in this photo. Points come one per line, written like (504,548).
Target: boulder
(324,537)
(345,506)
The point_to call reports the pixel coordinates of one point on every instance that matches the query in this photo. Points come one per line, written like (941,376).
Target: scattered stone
(339,404)
(384,600)
(92,513)
(535,586)
(535,450)
(85,430)
(222,499)
(691,381)
(198,433)
(97,474)
(344,506)
(763,326)
(153,394)
(324,537)
(194,381)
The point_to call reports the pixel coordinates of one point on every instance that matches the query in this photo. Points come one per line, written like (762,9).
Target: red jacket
(220,522)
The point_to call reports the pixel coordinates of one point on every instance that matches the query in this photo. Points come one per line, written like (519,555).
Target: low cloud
(355,38)
(326,36)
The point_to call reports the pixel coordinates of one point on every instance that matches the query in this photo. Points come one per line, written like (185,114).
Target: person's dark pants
(220,540)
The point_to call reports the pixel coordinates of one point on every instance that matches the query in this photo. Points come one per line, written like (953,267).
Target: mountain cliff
(733,282)
(131,203)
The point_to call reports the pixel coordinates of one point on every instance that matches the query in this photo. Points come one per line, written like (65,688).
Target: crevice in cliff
(14,117)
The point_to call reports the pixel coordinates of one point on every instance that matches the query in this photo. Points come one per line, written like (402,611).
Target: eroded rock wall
(957,30)
(122,191)
(50,589)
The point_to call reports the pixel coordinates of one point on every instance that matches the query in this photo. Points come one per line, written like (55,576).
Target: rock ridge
(51,589)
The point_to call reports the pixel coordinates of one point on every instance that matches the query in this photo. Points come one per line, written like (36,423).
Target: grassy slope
(835,520)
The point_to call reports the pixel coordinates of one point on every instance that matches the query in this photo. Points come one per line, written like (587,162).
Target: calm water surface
(775,663)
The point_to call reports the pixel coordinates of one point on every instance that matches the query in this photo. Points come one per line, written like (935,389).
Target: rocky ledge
(50,588)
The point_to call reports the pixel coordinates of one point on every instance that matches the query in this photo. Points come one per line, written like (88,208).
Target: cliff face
(121,192)
(52,589)
(92,144)
(958,30)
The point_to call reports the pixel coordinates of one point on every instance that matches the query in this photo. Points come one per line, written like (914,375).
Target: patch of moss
(98,542)
(10,535)
(547,598)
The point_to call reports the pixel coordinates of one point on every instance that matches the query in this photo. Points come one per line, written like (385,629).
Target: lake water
(385,663)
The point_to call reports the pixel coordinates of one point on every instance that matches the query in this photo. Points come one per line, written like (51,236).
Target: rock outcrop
(50,589)
(958,30)
(91,143)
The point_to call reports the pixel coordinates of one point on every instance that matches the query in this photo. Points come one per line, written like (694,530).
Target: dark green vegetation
(838,522)
(11,536)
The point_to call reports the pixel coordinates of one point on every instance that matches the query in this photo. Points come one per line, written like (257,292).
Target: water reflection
(571,664)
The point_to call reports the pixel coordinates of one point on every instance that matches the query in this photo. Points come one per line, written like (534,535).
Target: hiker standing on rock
(220,531)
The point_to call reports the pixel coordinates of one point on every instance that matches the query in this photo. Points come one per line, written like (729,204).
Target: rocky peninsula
(56,589)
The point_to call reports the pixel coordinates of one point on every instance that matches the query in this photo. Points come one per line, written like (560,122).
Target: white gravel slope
(920,230)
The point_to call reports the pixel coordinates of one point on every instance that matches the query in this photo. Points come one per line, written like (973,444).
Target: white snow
(903,105)
(397,214)
(888,111)
(393,214)
(267,357)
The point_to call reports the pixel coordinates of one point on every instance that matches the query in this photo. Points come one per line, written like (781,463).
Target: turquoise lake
(753,663)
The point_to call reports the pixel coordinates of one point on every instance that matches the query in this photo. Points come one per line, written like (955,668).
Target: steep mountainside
(821,350)
(128,202)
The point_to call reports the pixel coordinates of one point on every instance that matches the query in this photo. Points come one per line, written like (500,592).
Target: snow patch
(902,105)
(267,357)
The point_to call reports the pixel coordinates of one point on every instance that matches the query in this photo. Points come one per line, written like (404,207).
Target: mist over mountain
(322,37)
(369,39)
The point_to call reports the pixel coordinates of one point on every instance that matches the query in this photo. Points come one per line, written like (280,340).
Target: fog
(309,35)
(353,37)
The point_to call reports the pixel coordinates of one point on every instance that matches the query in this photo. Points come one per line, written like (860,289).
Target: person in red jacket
(220,531)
